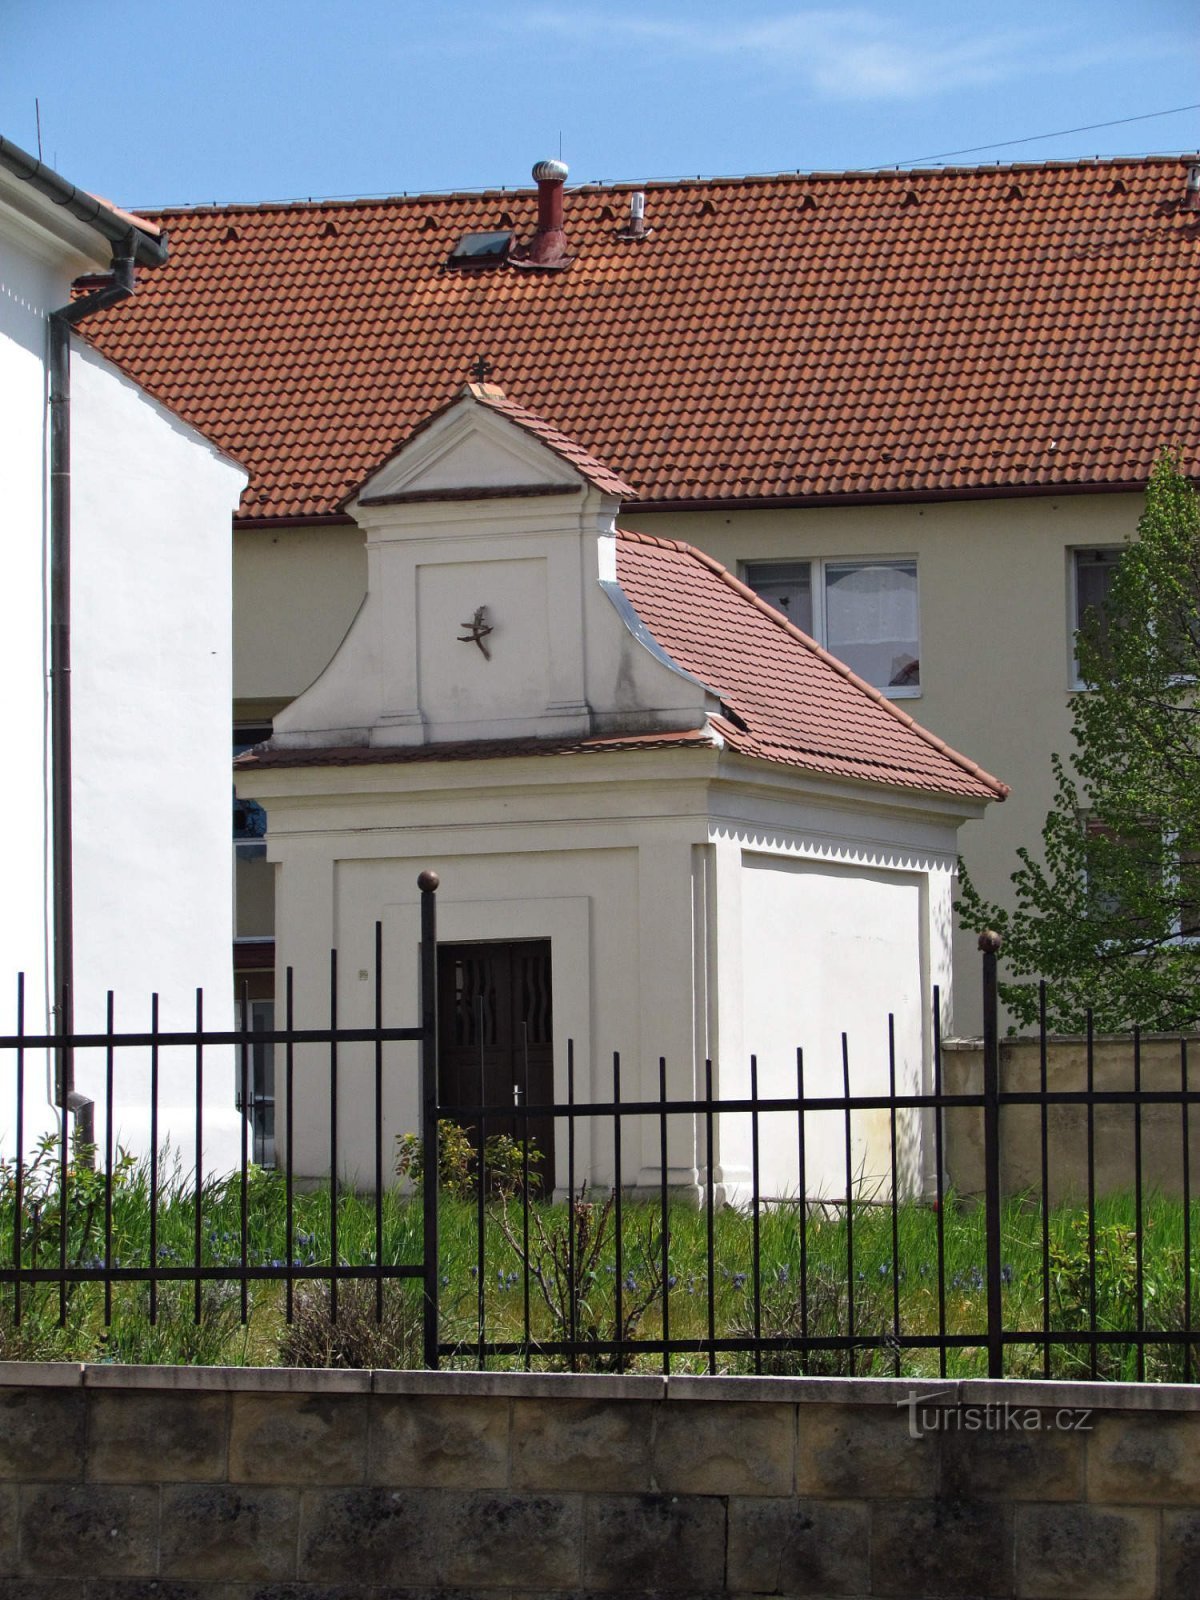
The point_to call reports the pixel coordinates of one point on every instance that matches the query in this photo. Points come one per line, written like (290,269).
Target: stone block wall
(242,1484)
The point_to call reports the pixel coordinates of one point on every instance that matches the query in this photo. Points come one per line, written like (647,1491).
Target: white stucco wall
(151,679)
(833,950)
(32,284)
(696,909)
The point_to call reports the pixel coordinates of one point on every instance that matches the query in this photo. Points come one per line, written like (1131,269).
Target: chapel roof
(808,338)
(792,702)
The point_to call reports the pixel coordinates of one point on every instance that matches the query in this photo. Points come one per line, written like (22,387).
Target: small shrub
(1116,1300)
(175,1338)
(504,1161)
(574,1280)
(357,1338)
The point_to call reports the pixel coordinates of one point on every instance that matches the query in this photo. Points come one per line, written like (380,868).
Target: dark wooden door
(495,1039)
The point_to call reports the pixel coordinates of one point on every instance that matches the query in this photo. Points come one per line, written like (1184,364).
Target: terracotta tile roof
(893,333)
(795,702)
(603,477)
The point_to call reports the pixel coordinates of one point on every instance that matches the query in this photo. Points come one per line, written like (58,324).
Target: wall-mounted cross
(477,631)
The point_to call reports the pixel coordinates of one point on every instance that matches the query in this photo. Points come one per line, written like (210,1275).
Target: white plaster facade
(151,676)
(701,905)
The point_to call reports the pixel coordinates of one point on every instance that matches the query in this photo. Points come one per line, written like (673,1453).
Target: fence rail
(489,1270)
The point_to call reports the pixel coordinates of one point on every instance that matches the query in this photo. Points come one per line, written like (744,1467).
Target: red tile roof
(945,332)
(798,704)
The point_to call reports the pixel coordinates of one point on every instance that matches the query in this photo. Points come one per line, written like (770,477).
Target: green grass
(890,1290)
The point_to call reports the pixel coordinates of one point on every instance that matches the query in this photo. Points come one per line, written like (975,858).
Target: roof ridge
(810,644)
(623,185)
(635,536)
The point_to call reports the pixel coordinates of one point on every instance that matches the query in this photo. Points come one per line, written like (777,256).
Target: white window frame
(1171,879)
(817,566)
(1074,681)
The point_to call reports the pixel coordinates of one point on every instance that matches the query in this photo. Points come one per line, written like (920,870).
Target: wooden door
(495,1040)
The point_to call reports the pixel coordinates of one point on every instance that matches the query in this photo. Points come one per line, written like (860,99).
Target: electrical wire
(1060,133)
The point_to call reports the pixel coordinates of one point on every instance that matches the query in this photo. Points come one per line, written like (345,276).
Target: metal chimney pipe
(547,249)
(550,176)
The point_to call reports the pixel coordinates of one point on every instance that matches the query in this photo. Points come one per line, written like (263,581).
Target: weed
(358,1337)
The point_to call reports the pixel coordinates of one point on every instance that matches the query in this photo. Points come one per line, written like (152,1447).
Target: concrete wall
(1066,1125)
(242,1484)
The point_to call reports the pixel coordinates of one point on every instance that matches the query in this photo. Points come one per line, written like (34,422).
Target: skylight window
(480,250)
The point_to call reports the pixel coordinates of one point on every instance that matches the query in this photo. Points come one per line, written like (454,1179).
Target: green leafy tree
(1104,911)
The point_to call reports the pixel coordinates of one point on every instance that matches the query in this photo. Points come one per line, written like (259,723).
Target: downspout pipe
(119,287)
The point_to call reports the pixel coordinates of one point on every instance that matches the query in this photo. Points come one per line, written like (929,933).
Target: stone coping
(969,1042)
(888,1392)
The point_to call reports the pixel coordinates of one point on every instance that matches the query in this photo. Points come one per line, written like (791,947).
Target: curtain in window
(872,621)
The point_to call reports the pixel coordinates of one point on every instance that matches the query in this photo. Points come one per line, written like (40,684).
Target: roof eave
(738,766)
(113,224)
(882,497)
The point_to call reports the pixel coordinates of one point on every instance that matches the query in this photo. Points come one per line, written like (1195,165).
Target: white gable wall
(525,539)
(32,284)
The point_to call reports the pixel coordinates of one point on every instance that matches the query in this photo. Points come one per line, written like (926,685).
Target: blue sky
(156,102)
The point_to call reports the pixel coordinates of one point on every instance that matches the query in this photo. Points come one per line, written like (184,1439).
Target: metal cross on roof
(481,369)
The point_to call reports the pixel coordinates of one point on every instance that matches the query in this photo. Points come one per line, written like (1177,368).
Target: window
(1092,575)
(1137,877)
(476,250)
(249,818)
(864,612)
(257,1102)
(253,875)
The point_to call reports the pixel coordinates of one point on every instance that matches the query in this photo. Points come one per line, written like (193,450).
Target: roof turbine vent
(547,250)
(1191,192)
(636,227)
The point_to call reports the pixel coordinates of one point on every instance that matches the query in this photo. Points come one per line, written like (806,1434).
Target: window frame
(1171,863)
(249,847)
(818,586)
(260,1080)
(1074,682)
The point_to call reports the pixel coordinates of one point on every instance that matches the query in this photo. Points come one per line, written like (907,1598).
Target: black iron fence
(693,1271)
